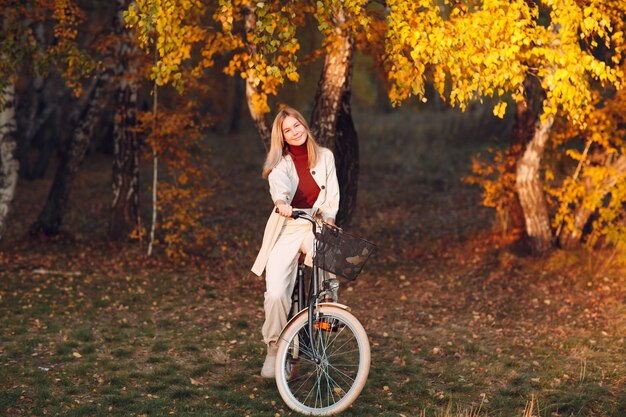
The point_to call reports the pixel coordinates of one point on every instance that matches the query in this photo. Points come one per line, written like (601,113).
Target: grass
(459,326)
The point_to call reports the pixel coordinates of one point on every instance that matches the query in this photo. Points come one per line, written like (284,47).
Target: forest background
(480,144)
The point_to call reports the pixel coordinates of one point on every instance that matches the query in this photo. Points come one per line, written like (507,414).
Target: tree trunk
(50,142)
(125,204)
(35,116)
(346,161)
(235,114)
(51,217)
(334,81)
(525,119)
(570,239)
(258,116)
(9,166)
(155,170)
(530,188)
(331,121)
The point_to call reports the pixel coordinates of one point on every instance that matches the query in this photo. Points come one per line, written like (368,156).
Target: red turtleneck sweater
(308,190)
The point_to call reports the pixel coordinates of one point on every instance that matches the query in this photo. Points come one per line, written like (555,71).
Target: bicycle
(323,357)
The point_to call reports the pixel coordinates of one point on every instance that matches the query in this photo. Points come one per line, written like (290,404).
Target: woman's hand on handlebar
(283,208)
(330,221)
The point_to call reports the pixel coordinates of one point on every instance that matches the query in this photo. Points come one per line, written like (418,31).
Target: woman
(302,176)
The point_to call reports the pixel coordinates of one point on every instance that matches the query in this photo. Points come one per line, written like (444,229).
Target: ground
(459,323)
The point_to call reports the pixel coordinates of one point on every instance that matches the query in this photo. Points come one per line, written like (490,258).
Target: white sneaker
(269,365)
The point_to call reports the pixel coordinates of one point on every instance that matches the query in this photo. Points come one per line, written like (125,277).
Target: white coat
(283,181)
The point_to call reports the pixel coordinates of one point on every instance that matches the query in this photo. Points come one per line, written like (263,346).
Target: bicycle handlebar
(299,214)
(296,214)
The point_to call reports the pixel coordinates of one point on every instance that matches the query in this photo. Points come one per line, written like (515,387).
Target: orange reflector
(324,325)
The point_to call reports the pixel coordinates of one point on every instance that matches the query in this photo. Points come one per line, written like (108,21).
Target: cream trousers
(280,274)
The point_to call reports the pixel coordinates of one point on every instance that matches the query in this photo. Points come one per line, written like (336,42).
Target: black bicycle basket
(341,253)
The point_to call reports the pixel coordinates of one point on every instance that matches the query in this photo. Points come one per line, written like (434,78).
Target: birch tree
(331,121)
(9,165)
(167,31)
(14,43)
(125,185)
(487,49)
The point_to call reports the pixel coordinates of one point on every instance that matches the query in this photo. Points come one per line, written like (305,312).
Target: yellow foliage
(167,29)
(265,54)
(489,172)
(268,55)
(489,49)
(186,181)
(499,109)
(486,48)
(336,16)
(600,183)
(65,53)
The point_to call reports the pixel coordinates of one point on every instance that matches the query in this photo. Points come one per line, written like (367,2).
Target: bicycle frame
(314,287)
(323,356)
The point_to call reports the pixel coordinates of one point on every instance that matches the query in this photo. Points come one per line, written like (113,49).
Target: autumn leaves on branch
(572,51)
(558,62)
(564,56)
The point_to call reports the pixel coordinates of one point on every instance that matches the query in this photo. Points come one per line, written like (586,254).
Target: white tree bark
(334,81)
(125,184)
(331,120)
(252,90)
(9,166)
(155,173)
(530,188)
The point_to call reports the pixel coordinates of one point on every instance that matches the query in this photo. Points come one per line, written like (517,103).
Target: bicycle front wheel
(323,373)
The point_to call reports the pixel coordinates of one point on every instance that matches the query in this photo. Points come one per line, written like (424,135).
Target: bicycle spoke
(328,335)
(317,385)
(308,353)
(343,375)
(337,335)
(305,401)
(302,347)
(340,372)
(338,389)
(332,385)
(343,365)
(335,355)
(330,390)
(303,382)
(336,384)
(322,350)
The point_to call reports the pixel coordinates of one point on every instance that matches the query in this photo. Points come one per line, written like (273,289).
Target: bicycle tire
(338,335)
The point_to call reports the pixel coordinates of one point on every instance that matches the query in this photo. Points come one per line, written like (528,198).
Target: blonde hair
(277,142)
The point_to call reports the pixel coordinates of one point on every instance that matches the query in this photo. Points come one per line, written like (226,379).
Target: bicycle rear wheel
(322,374)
